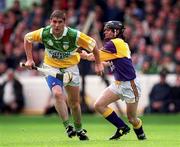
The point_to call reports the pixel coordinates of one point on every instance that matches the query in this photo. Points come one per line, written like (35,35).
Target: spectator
(11,94)
(2,5)
(116,13)
(175,99)
(16,9)
(160,95)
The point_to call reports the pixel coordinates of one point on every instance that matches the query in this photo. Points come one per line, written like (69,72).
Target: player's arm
(104,55)
(87,56)
(29,38)
(89,44)
(90,57)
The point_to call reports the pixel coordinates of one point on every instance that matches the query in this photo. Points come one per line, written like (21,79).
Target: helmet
(114,25)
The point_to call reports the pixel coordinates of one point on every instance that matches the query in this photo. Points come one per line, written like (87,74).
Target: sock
(78,127)
(66,123)
(138,125)
(112,117)
(138,129)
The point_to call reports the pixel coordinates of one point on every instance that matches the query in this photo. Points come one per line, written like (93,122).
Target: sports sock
(78,127)
(112,117)
(138,129)
(66,123)
(138,125)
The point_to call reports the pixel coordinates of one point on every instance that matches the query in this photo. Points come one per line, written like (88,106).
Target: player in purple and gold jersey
(61,45)
(125,87)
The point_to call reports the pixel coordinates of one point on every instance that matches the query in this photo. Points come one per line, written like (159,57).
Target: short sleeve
(110,47)
(35,36)
(85,41)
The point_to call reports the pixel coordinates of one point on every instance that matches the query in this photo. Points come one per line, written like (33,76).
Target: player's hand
(106,64)
(90,57)
(99,68)
(29,64)
(87,56)
(83,54)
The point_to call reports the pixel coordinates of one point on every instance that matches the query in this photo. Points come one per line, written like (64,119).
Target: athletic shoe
(70,131)
(82,135)
(141,137)
(120,132)
(67,77)
(140,133)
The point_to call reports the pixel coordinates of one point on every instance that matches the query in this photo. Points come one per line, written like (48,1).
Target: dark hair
(163,72)
(58,14)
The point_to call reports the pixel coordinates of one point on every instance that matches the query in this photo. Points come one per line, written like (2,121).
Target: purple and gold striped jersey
(117,52)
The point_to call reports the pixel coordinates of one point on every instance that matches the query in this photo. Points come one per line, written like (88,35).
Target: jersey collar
(64,33)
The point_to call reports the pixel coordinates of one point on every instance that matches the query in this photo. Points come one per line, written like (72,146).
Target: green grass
(39,131)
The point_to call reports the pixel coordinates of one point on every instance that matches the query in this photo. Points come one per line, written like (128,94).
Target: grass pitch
(40,131)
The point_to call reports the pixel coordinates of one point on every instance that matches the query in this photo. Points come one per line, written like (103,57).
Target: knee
(58,94)
(74,105)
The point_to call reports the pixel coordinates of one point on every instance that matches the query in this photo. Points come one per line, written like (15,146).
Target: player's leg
(101,105)
(133,92)
(60,103)
(135,121)
(73,92)
(74,104)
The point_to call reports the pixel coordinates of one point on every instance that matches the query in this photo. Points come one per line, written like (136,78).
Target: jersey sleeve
(85,41)
(110,47)
(108,52)
(35,36)
(106,55)
(114,49)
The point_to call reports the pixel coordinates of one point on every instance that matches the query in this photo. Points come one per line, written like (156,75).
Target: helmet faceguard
(114,26)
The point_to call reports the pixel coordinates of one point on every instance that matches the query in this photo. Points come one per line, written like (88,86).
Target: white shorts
(73,69)
(129,91)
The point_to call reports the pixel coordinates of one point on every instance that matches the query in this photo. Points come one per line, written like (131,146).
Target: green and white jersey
(61,52)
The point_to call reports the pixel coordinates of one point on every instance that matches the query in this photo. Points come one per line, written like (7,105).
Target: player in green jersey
(61,45)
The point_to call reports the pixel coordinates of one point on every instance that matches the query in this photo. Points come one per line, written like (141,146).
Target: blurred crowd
(152,29)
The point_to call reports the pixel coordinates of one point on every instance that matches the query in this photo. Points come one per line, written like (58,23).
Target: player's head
(57,21)
(113,29)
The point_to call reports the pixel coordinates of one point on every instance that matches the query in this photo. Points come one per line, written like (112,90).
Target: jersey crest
(65,45)
(50,42)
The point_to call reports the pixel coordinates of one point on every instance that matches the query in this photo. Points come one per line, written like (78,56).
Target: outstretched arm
(89,44)
(90,57)
(93,57)
(87,56)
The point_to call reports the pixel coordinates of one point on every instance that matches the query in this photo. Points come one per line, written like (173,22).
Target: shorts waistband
(119,82)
